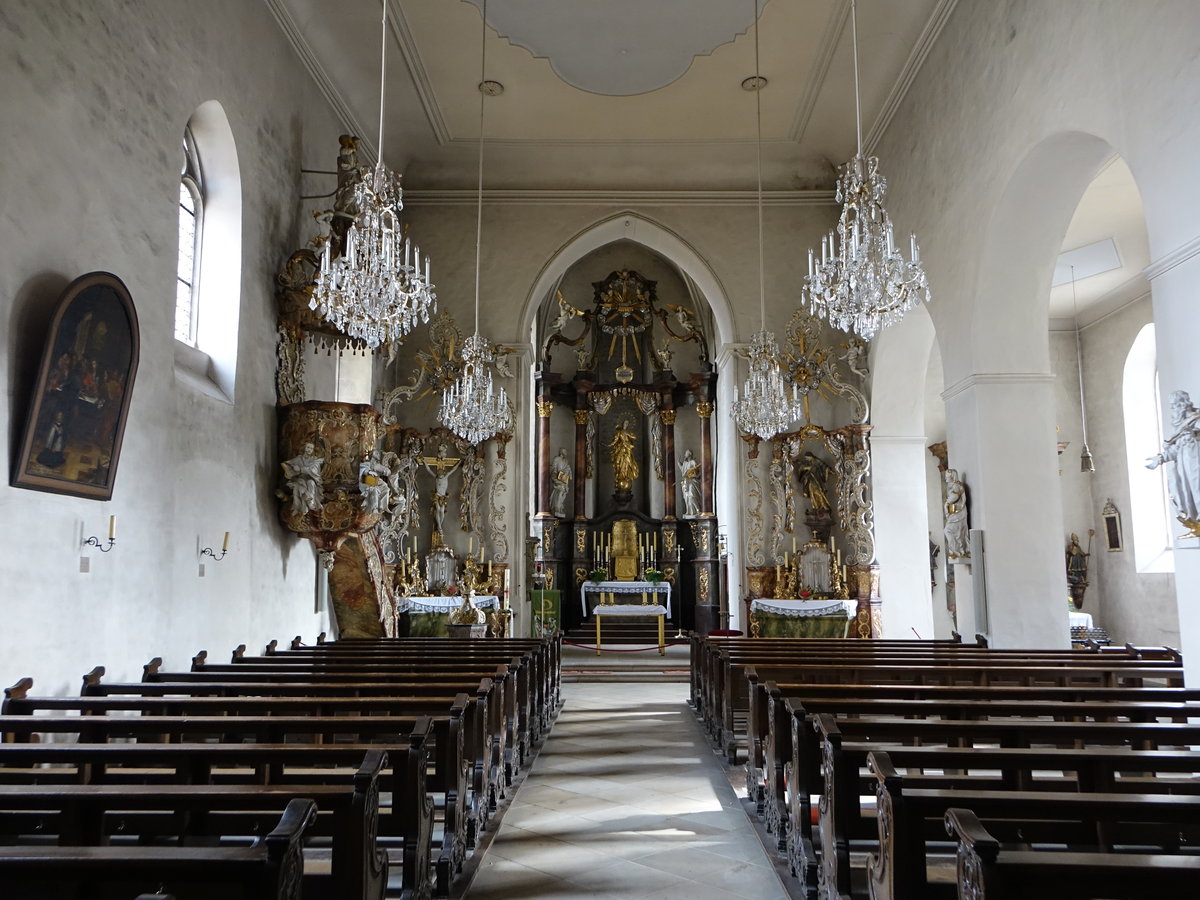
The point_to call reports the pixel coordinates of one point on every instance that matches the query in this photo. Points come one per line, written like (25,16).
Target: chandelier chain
(473,406)
(769,400)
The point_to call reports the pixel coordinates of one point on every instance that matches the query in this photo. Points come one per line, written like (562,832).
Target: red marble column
(668,422)
(544,408)
(581,420)
(704,409)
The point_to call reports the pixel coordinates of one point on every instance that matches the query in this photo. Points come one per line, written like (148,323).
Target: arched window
(191,231)
(209,273)
(1149,500)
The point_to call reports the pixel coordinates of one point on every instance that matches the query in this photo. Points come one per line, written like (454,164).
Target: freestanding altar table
(629,590)
(632,609)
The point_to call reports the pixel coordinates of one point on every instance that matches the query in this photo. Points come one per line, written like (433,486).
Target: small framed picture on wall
(1112,527)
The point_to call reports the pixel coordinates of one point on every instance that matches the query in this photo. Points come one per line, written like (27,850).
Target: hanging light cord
(1078,357)
(479,200)
(382,79)
(758,86)
(857,104)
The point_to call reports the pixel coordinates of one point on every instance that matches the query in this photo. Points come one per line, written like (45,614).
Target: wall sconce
(94,541)
(208,551)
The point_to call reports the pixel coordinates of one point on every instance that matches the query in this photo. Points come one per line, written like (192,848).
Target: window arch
(191,231)
(1149,500)
(211,180)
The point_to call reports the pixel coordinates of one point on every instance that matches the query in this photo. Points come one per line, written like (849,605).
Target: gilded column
(581,420)
(668,421)
(544,408)
(704,409)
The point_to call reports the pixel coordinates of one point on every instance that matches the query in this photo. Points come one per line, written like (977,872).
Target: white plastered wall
(96,98)
(1014,110)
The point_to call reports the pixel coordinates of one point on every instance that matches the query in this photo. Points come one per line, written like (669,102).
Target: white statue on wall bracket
(958,547)
(1183,449)
(373,484)
(560,481)
(689,484)
(303,477)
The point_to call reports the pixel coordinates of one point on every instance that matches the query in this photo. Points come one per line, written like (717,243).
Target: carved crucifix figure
(440,467)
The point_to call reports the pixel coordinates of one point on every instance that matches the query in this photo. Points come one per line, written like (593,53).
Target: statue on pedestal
(1077,569)
(957,544)
(689,484)
(560,481)
(625,467)
(373,484)
(1183,449)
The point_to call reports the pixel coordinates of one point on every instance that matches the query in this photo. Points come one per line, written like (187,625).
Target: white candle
(112,528)
(225,545)
(810,262)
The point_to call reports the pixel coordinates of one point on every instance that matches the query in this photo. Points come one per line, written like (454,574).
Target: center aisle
(626,799)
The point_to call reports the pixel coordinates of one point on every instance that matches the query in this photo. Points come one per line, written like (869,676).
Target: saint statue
(560,481)
(689,484)
(373,484)
(1077,571)
(1183,449)
(303,476)
(957,546)
(625,467)
(813,472)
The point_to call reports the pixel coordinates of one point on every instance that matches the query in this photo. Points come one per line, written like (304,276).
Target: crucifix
(440,467)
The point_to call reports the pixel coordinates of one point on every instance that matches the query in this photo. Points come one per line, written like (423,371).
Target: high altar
(608,504)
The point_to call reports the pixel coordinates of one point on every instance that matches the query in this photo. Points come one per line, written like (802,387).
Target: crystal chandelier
(472,407)
(376,290)
(862,282)
(767,405)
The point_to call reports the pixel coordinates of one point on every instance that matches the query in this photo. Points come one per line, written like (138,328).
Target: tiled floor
(626,799)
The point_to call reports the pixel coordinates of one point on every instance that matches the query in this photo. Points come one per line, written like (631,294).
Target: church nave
(626,799)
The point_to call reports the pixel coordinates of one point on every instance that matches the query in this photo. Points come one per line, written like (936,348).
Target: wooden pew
(391,733)
(90,815)
(846,742)
(477,745)
(910,824)
(782,717)
(510,671)
(987,872)
(298,766)
(271,868)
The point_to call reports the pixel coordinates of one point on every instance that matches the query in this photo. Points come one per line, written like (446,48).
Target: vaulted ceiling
(614,95)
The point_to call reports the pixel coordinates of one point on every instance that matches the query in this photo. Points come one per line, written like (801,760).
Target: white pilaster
(1000,434)
(901,542)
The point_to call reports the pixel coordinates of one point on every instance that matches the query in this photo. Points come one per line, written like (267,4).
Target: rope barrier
(633,650)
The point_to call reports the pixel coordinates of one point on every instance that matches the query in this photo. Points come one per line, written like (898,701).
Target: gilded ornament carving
(813,368)
(754,501)
(669,543)
(581,575)
(656,445)
(778,501)
(704,409)
(498,533)
(438,366)
(545,408)
(289,372)
(580,541)
(403,515)
(582,416)
(669,575)
(704,586)
(470,497)
(854,508)
(667,416)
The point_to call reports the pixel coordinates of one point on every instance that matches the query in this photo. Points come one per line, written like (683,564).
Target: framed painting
(76,421)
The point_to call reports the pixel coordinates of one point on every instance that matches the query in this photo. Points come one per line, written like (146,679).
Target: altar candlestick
(225,545)
(112,528)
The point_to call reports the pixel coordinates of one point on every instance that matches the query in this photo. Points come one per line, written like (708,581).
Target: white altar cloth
(625,587)
(802,608)
(631,609)
(1080,619)
(442,604)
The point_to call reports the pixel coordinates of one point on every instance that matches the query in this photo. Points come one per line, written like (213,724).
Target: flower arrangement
(654,576)
(597,575)
(806,594)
